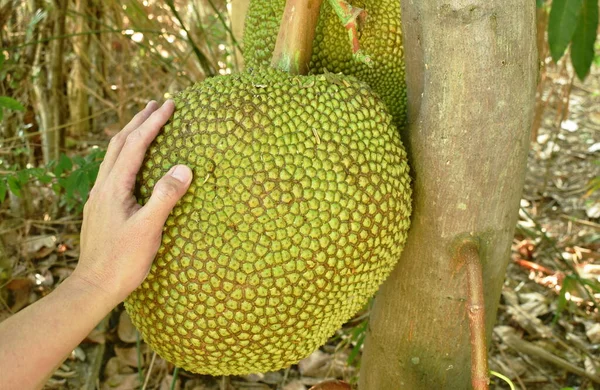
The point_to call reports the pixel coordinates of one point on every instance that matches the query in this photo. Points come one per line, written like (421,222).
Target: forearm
(35,341)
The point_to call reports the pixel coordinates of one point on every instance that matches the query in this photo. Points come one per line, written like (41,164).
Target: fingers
(166,194)
(117,142)
(132,154)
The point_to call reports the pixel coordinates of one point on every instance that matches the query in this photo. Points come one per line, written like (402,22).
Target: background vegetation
(73,72)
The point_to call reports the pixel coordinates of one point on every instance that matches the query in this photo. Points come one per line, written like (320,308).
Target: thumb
(167,192)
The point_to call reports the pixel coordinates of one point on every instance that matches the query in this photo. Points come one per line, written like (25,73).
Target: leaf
(92,174)
(23,177)
(71,184)
(13,185)
(539,3)
(64,164)
(582,47)
(562,298)
(38,17)
(83,185)
(2,59)
(42,175)
(3,189)
(78,160)
(561,25)
(44,178)
(11,104)
(56,187)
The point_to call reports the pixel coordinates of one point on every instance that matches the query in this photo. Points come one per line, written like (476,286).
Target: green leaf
(3,189)
(539,3)
(83,186)
(11,103)
(2,59)
(23,177)
(78,160)
(13,185)
(92,174)
(71,184)
(38,17)
(45,178)
(562,298)
(582,47)
(56,187)
(561,25)
(64,164)
(41,174)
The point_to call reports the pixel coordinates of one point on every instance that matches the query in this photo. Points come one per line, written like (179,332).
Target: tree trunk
(472,70)
(48,85)
(80,74)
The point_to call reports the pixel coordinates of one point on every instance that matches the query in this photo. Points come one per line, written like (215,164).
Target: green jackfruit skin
(380,37)
(298,210)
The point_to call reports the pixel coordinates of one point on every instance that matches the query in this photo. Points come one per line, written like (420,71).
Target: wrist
(103,295)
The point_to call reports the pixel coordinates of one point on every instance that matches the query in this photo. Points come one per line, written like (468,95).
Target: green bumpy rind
(380,38)
(298,210)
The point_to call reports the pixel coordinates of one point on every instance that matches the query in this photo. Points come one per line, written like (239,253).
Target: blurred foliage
(70,178)
(117,56)
(574,23)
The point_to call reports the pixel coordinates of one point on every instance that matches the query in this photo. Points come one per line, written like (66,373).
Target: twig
(580,221)
(559,254)
(285,376)
(138,347)
(224,382)
(504,378)
(204,62)
(225,25)
(530,349)
(510,364)
(149,371)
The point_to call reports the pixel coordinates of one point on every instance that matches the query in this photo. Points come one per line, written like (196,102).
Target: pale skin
(119,239)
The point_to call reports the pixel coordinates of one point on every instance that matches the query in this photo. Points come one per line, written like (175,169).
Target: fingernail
(181,173)
(150,103)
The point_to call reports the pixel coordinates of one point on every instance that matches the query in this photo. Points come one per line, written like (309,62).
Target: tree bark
(472,70)
(80,74)
(49,83)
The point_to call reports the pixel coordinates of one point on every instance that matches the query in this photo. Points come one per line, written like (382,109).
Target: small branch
(580,221)
(531,349)
(468,255)
(352,17)
(149,371)
(204,62)
(294,46)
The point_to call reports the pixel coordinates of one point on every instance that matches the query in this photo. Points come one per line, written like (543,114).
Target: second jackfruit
(380,37)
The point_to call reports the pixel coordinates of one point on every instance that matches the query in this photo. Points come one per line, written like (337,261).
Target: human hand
(120,238)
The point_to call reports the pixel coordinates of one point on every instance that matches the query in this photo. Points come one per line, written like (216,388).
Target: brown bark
(49,84)
(80,75)
(472,70)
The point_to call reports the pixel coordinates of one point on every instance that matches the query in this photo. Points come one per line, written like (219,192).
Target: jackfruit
(380,38)
(298,210)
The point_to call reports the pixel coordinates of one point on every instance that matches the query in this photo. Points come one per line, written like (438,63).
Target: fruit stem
(294,46)
(352,17)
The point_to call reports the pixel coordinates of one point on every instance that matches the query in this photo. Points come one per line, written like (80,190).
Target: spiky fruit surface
(298,210)
(380,37)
